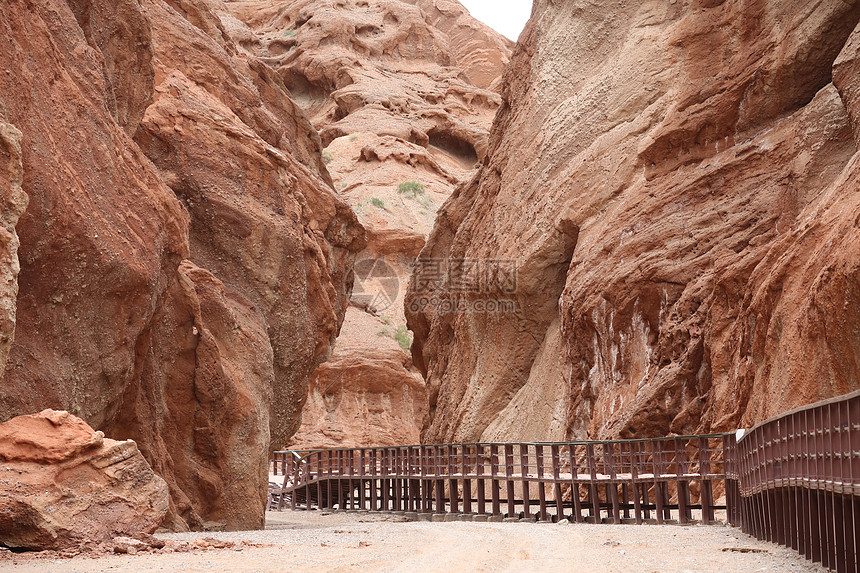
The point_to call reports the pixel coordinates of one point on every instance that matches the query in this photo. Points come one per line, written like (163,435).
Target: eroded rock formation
(13,202)
(678,183)
(185,262)
(363,396)
(62,485)
(401,91)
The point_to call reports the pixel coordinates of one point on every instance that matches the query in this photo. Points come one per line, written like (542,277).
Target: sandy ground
(315,541)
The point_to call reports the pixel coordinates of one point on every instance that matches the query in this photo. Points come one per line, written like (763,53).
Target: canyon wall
(677,183)
(401,92)
(185,263)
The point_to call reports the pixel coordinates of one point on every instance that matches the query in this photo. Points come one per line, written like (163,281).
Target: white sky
(505,16)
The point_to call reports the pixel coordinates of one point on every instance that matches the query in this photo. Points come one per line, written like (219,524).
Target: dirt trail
(350,542)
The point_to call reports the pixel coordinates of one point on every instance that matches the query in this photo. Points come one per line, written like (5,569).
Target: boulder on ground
(63,484)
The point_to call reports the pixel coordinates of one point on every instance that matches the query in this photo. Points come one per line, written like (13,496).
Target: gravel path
(315,541)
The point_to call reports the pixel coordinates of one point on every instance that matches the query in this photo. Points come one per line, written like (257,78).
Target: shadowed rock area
(184,261)
(678,183)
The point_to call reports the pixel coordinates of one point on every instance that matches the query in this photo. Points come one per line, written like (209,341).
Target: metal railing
(796,481)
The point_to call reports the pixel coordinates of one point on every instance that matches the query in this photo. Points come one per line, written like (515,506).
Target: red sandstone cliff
(678,182)
(184,261)
(401,91)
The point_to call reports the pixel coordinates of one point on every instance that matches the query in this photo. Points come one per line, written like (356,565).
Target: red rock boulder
(63,484)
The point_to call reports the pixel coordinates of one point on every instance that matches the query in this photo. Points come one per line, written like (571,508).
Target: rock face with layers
(389,67)
(185,262)
(63,484)
(678,182)
(401,91)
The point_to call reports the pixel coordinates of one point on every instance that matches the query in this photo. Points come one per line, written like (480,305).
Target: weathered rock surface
(62,484)
(185,263)
(389,67)
(678,182)
(478,50)
(13,201)
(401,91)
(363,397)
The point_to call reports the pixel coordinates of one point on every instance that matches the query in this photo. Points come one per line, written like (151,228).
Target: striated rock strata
(678,182)
(62,485)
(185,262)
(401,91)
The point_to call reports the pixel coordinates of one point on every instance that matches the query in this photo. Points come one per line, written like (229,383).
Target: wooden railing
(792,480)
(795,480)
(638,480)
(284,463)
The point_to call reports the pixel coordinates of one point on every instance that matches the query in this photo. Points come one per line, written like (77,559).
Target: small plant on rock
(289,33)
(411,189)
(403,337)
(426,201)
(378,203)
(327,157)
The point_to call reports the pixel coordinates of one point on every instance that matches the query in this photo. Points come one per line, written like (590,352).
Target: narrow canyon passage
(230,227)
(404,102)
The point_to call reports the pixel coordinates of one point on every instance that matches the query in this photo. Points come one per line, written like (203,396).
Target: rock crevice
(403,92)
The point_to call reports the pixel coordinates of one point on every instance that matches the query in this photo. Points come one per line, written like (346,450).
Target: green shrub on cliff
(410,189)
(401,335)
